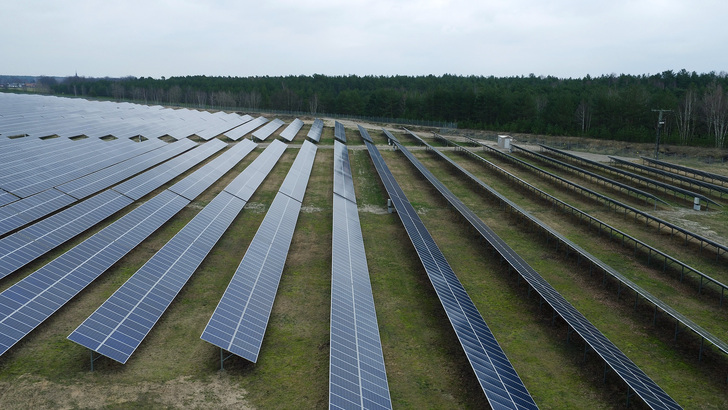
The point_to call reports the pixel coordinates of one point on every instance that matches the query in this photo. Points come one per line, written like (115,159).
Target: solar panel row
(291,130)
(268,129)
(357,375)
(248,181)
(23,247)
(33,180)
(339,132)
(241,317)
(88,185)
(316,129)
(635,378)
(121,323)
(35,298)
(501,384)
(27,210)
(244,129)
(40,116)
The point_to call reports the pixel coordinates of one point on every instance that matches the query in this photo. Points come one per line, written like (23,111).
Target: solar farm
(157,257)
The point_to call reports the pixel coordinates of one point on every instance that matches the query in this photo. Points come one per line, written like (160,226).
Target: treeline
(610,106)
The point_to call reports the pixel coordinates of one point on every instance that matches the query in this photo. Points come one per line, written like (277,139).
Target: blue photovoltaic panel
(145,183)
(7,197)
(200,180)
(316,129)
(343,182)
(297,178)
(31,208)
(36,297)
(265,131)
(26,245)
(92,183)
(357,376)
(121,323)
(241,131)
(365,134)
(635,378)
(291,130)
(239,321)
(501,384)
(339,132)
(248,181)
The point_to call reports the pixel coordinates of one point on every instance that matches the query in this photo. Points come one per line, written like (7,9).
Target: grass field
(426,367)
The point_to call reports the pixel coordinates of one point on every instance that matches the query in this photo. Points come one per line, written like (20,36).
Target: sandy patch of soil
(32,392)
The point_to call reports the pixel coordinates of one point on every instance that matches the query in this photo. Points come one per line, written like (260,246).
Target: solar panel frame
(316,130)
(291,130)
(339,132)
(264,132)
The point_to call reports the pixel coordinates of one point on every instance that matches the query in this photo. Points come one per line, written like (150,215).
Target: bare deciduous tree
(686,116)
(313,104)
(583,116)
(715,107)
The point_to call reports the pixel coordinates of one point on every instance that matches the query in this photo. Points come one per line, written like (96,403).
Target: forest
(618,107)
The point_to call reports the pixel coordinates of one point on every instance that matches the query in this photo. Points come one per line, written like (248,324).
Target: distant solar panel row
(635,378)
(357,376)
(26,245)
(667,174)
(39,116)
(291,130)
(339,132)
(244,129)
(268,129)
(118,327)
(687,170)
(29,302)
(316,129)
(498,379)
(240,319)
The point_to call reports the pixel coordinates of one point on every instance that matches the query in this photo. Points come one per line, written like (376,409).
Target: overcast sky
(563,38)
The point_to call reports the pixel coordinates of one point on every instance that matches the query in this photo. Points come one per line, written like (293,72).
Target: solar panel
(29,302)
(88,185)
(245,129)
(145,183)
(7,197)
(294,185)
(357,376)
(316,129)
(265,131)
(26,245)
(120,324)
(339,132)
(343,182)
(247,182)
(33,207)
(291,130)
(635,378)
(501,384)
(194,185)
(240,319)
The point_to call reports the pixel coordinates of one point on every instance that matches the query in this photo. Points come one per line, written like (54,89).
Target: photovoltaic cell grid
(24,246)
(357,375)
(88,185)
(291,130)
(268,129)
(39,116)
(339,132)
(248,181)
(32,300)
(245,129)
(635,378)
(316,129)
(501,384)
(120,324)
(27,210)
(6,197)
(60,280)
(240,319)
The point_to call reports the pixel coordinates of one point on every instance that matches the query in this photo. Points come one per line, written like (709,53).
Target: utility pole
(660,123)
